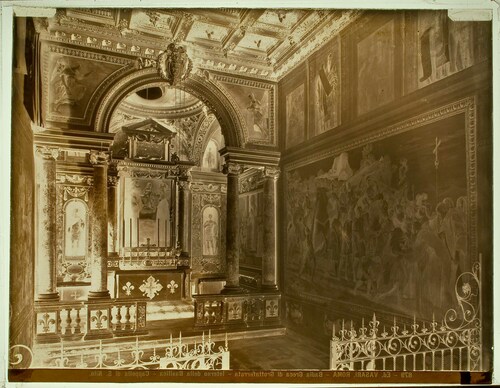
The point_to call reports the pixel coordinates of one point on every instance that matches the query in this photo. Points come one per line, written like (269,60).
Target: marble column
(232,230)
(46,236)
(112,215)
(270,245)
(99,222)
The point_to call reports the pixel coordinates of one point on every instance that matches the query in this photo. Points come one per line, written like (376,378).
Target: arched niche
(199,87)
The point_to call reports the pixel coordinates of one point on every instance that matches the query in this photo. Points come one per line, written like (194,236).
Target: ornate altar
(153,255)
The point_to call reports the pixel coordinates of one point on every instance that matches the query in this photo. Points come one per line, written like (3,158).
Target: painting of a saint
(68,82)
(211,157)
(254,105)
(210,231)
(75,229)
(376,56)
(325,93)
(295,116)
(149,202)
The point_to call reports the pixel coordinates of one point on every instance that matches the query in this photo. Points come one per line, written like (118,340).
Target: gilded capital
(47,153)
(232,168)
(112,180)
(98,157)
(271,172)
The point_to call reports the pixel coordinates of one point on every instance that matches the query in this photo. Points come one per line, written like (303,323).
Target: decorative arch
(205,90)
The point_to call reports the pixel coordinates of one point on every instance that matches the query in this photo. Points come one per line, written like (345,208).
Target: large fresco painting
(384,223)
(295,116)
(375,58)
(325,88)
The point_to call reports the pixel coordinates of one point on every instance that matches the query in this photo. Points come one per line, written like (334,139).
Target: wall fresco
(384,223)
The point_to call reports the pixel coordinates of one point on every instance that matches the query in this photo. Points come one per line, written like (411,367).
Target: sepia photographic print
(249,195)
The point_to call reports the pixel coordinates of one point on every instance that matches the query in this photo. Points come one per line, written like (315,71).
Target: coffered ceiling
(261,43)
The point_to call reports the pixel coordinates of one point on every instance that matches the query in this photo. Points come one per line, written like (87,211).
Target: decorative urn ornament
(174,65)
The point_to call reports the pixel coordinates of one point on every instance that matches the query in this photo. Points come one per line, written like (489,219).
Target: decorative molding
(251,182)
(47,153)
(76,192)
(201,134)
(99,157)
(75,179)
(232,168)
(271,172)
(112,181)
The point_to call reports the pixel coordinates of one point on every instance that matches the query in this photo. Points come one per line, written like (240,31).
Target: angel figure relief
(68,83)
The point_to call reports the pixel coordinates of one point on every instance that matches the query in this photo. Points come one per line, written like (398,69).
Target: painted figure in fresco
(149,202)
(68,83)
(210,233)
(326,94)
(255,106)
(75,230)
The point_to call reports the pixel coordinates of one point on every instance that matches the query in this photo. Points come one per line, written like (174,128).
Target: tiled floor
(291,351)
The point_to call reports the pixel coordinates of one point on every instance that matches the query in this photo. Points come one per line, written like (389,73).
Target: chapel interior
(271,176)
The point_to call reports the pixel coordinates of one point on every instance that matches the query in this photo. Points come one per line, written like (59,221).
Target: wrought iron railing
(195,353)
(453,344)
(217,310)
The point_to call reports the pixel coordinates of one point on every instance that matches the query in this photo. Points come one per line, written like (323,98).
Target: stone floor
(290,351)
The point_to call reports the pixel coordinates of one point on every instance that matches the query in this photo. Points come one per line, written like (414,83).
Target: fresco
(375,55)
(211,157)
(444,46)
(295,116)
(254,105)
(72,82)
(211,234)
(251,231)
(147,212)
(325,88)
(384,223)
(75,229)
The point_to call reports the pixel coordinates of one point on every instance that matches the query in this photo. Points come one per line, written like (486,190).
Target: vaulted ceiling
(261,43)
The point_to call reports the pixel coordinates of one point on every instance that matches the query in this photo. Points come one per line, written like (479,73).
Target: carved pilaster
(232,229)
(99,217)
(184,216)
(270,245)
(112,215)
(46,231)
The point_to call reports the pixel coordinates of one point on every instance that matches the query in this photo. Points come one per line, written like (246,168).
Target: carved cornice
(99,157)
(251,157)
(47,153)
(150,170)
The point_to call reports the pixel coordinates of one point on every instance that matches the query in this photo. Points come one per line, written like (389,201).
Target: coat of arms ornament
(174,65)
